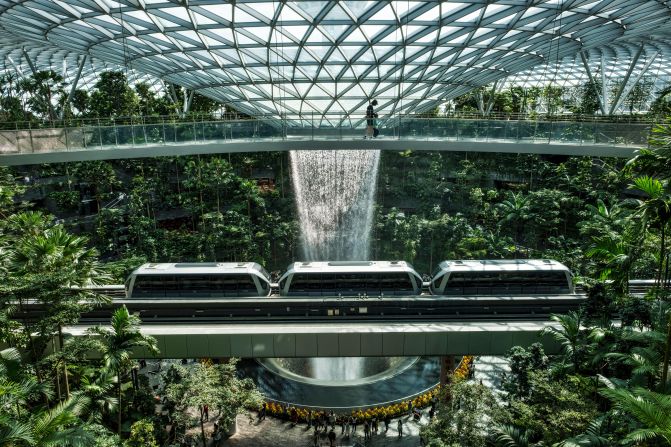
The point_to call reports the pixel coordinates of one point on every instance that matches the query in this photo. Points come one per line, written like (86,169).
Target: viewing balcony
(88,139)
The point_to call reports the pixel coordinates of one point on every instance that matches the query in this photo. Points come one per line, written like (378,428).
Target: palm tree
(24,425)
(615,254)
(652,410)
(569,336)
(61,426)
(51,250)
(656,211)
(516,210)
(511,436)
(116,345)
(96,387)
(644,357)
(593,436)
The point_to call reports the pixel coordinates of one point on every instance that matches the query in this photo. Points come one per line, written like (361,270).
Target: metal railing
(112,133)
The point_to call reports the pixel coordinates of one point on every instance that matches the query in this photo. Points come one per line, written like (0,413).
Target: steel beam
(628,89)
(604,83)
(593,82)
(618,95)
(74,86)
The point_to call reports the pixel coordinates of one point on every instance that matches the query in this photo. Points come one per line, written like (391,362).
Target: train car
(350,278)
(502,277)
(200,279)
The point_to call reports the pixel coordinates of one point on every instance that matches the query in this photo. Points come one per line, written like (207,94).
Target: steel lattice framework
(331,57)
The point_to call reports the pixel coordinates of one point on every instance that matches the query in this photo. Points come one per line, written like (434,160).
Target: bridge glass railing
(102,134)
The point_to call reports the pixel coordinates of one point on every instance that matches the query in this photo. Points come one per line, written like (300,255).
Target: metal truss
(331,57)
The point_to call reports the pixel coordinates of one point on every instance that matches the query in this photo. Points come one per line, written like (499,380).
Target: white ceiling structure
(331,57)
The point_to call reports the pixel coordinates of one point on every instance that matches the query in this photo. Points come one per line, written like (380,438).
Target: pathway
(274,433)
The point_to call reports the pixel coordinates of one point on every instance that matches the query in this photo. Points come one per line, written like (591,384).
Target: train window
(245,285)
(300,283)
(511,282)
(149,286)
(195,285)
(372,284)
(350,283)
(328,283)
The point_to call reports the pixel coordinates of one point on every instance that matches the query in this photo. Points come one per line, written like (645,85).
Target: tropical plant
(650,409)
(117,344)
(570,336)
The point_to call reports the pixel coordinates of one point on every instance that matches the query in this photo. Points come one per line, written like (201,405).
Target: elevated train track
(311,309)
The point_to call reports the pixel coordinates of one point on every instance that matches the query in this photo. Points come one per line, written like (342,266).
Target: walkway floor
(275,433)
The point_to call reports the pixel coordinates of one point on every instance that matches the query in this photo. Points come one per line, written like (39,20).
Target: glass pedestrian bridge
(98,139)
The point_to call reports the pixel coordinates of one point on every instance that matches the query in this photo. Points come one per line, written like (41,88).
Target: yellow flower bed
(392,410)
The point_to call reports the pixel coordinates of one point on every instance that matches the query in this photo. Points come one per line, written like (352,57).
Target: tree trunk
(118,385)
(65,364)
(667,351)
(202,426)
(658,282)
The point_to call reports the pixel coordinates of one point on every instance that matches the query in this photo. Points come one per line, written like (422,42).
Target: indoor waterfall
(335,193)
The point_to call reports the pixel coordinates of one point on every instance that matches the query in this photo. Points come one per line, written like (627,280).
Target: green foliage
(464,413)
(650,409)
(216,386)
(522,363)
(555,409)
(112,96)
(141,435)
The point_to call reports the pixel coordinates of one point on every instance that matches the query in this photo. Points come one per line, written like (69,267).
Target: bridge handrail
(148,131)
(358,117)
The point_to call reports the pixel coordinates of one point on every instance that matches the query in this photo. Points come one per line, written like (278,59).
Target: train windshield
(512,282)
(194,285)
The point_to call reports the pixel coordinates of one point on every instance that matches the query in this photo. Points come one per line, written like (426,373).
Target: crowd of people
(325,423)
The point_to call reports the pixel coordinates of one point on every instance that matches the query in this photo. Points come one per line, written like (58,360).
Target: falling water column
(335,195)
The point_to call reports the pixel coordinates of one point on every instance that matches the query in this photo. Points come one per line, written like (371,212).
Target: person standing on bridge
(370,119)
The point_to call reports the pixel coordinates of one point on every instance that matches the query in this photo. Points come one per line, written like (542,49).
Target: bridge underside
(255,145)
(338,339)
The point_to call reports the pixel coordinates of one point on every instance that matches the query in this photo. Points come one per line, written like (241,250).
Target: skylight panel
(295,32)
(431,15)
(288,14)
(317,36)
(448,30)
(371,31)
(505,20)
(220,35)
(266,9)
(312,8)
(384,14)
(178,13)
(243,39)
(356,36)
(430,37)
(225,10)
(349,51)
(202,20)
(471,17)
(335,31)
(337,13)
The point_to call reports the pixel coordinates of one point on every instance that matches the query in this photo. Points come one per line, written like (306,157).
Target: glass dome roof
(331,57)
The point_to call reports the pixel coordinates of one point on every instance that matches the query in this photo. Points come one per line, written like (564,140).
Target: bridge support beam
(364,339)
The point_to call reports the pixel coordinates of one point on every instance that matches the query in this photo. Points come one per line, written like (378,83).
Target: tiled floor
(275,433)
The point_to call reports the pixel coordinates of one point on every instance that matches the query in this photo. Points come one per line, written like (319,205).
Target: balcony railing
(101,134)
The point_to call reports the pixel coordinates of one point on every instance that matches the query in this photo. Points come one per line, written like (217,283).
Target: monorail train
(203,279)
(350,278)
(501,277)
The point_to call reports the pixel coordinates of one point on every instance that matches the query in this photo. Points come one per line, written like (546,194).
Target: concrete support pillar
(447,365)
